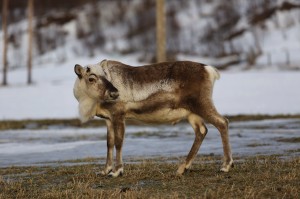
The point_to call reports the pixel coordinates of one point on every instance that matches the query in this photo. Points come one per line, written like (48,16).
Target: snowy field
(58,143)
(51,95)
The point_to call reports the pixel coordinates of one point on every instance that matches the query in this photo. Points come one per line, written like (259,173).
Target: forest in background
(240,31)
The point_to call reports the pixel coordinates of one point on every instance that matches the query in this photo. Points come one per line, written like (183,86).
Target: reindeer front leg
(119,129)
(110,148)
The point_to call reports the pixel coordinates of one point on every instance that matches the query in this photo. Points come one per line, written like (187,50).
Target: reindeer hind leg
(221,123)
(200,133)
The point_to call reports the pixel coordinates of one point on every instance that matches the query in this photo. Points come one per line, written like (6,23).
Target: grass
(47,123)
(256,177)
(290,140)
(253,177)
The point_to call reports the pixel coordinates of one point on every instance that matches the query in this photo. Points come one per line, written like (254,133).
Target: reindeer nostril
(114,95)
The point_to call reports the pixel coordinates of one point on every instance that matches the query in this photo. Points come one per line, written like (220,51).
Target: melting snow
(27,147)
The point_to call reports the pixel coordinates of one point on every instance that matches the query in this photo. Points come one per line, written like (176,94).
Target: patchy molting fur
(158,93)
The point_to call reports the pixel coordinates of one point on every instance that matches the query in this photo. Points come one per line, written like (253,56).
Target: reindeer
(158,93)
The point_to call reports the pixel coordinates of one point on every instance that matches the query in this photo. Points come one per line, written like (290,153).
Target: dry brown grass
(259,177)
(46,123)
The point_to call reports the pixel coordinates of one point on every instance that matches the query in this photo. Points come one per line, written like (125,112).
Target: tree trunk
(160,31)
(30,39)
(5,43)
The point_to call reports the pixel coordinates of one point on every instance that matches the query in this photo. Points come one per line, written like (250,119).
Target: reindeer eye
(91,80)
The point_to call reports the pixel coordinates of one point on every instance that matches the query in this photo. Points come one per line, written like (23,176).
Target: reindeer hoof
(115,174)
(225,170)
(104,172)
(181,169)
(227,167)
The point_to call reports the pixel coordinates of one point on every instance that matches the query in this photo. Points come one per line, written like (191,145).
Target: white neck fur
(87,109)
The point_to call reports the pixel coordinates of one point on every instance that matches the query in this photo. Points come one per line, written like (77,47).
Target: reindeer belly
(164,115)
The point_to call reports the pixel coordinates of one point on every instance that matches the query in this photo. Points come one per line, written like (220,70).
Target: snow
(31,147)
(51,95)
(274,40)
(258,92)
(268,91)
(280,47)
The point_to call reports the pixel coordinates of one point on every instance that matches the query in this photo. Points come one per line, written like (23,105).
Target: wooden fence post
(30,39)
(160,31)
(287,55)
(5,42)
(269,59)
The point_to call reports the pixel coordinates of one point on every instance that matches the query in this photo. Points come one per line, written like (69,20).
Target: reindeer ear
(78,70)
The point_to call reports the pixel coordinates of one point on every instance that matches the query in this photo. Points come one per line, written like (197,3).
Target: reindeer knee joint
(223,124)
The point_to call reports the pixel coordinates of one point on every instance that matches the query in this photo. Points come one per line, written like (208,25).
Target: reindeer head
(90,89)
(92,84)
